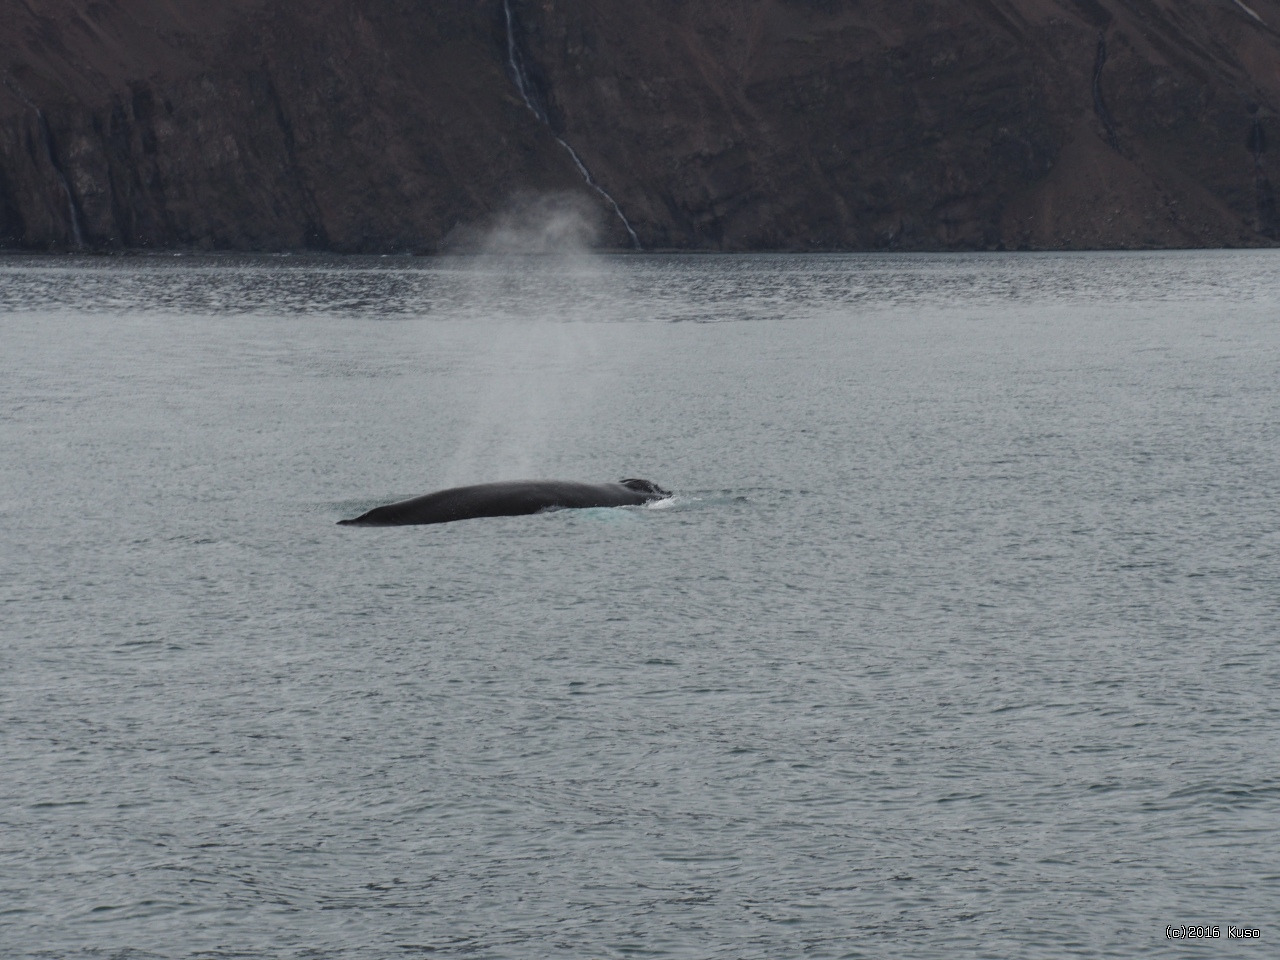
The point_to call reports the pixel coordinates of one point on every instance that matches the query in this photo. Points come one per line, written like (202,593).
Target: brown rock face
(752,124)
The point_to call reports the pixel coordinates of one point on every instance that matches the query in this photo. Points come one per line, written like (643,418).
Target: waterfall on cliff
(525,88)
(73,215)
(46,136)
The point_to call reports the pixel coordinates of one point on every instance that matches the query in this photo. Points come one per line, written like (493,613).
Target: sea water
(960,637)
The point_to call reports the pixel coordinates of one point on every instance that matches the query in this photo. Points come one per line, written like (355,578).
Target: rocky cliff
(723,125)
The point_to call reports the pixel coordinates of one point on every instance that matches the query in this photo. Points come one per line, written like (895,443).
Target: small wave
(1222,795)
(666,503)
(690,501)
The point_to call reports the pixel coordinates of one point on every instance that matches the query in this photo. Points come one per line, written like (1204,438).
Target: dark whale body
(511,498)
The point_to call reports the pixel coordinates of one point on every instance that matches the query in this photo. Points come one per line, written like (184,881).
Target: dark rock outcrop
(757,124)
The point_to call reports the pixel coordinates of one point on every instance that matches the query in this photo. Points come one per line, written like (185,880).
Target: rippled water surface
(959,639)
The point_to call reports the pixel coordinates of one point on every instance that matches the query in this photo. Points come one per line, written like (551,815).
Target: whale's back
(508,498)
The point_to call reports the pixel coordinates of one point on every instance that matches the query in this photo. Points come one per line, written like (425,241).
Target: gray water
(959,638)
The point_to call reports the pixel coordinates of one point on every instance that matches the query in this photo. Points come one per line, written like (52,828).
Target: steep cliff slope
(727,124)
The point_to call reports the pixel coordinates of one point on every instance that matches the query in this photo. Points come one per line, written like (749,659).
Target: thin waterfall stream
(525,88)
(46,136)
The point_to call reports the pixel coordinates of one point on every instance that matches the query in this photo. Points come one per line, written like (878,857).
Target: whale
(508,498)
